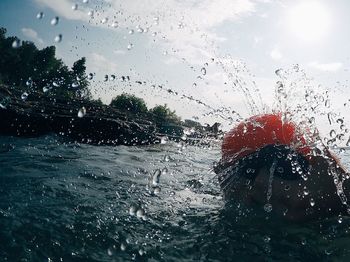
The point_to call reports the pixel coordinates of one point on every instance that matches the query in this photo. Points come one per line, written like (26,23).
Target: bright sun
(309,20)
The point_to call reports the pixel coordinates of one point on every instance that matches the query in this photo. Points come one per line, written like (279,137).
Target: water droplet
(340,220)
(75,7)
(110,251)
(327,103)
(140,30)
(90,76)
(303,242)
(141,252)
(156,190)
(46,89)
(156,177)
(267,239)
(279,72)
(280,170)
(81,112)
(140,213)
(164,140)
(75,84)
(131,31)
(312,202)
(105,78)
(55,84)
(122,247)
(268,207)
(91,13)
(203,71)
(58,38)
(333,134)
(154,34)
(40,15)
(85,1)
(104,20)
(24,96)
(55,20)
(29,82)
(16,43)
(112,77)
(194,85)
(166,158)
(132,210)
(114,24)
(130,46)
(184,137)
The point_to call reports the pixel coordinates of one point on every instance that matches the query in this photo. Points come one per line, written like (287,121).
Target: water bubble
(91,13)
(24,96)
(166,158)
(16,43)
(75,7)
(268,207)
(194,85)
(90,76)
(131,31)
(55,20)
(55,84)
(112,77)
(154,34)
(104,20)
(40,15)
(140,30)
(164,171)
(306,192)
(130,46)
(303,242)
(114,24)
(203,71)
(75,84)
(58,38)
(312,202)
(82,112)
(132,210)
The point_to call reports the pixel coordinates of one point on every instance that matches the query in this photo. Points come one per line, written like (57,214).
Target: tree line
(24,67)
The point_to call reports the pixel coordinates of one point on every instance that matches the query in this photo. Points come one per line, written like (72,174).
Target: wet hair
(289,165)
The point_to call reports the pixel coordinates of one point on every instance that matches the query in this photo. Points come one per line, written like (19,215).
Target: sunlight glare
(309,20)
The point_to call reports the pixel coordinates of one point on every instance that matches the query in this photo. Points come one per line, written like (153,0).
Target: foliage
(164,114)
(23,65)
(130,103)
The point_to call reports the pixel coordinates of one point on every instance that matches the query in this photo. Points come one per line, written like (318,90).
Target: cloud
(330,67)
(276,54)
(32,35)
(184,26)
(98,62)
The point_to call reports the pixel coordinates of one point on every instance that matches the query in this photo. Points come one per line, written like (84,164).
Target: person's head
(267,160)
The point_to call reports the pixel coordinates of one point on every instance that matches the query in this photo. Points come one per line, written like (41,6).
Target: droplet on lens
(55,20)
(40,15)
(82,112)
(58,38)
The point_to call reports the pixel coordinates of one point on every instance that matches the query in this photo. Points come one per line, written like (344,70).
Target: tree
(164,114)
(25,61)
(129,103)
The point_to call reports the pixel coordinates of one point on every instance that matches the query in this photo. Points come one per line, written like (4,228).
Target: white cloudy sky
(240,43)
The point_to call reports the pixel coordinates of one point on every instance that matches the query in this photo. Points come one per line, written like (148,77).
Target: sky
(215,56)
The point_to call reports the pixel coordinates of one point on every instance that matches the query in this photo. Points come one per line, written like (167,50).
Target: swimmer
(267,162)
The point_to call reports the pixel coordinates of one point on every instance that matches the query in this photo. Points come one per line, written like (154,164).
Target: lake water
(62,201)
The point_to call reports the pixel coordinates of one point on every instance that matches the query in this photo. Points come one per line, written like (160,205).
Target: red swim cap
(258,132)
